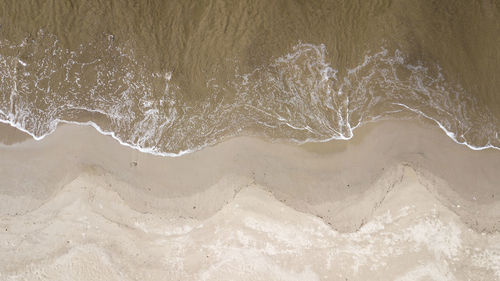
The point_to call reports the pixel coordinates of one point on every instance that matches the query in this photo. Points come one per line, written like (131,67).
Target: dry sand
(400,201)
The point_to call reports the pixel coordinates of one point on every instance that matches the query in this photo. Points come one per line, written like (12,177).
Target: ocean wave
(299,97)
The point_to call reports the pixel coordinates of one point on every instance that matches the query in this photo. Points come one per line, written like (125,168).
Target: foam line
(187,151)
(103,132)
(448,133)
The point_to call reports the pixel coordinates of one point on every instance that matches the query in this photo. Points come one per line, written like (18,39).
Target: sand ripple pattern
(298,97)
(411,236)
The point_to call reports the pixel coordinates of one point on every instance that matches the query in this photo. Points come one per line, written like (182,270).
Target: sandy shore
(400,201)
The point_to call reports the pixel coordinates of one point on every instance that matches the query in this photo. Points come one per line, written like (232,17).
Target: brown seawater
(170,77)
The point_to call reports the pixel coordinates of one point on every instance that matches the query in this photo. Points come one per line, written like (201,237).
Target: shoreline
(13,134)
(313,177)
(395,202)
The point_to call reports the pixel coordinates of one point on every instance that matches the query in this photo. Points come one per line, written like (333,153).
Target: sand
(400,201)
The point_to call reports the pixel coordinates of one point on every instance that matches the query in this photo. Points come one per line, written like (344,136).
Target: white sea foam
(298,97)
(448,133)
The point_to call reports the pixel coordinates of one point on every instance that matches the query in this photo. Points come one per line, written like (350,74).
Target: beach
(250,140)
(388,204)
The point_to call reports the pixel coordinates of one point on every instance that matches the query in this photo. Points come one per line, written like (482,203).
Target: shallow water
(170,77)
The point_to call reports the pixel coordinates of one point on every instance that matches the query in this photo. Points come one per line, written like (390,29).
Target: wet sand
(387,204)
(399,201)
